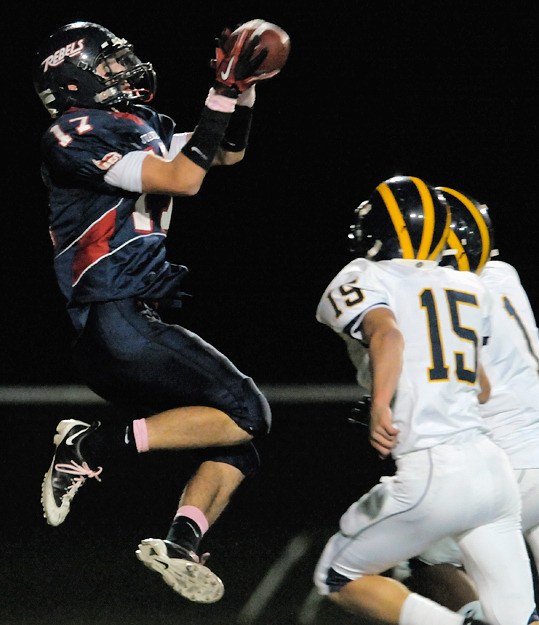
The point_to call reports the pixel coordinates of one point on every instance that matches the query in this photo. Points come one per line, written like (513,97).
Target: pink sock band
(196,514)
(141,435)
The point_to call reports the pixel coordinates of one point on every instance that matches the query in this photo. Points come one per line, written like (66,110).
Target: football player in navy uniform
(112,165)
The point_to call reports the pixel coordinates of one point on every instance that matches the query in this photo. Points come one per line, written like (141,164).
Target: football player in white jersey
(423,328)
(511,360)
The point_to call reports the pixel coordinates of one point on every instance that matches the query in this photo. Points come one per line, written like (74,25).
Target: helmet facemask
(361,243)
(125,78)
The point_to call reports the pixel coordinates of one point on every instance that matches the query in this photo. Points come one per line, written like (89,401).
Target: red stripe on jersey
(94,244)
(133,118)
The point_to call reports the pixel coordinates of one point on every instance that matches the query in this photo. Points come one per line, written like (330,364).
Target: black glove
(361,412)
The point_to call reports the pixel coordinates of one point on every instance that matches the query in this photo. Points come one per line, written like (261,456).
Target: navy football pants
(131,358)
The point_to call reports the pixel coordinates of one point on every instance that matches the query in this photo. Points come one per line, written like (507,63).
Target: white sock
(418,610)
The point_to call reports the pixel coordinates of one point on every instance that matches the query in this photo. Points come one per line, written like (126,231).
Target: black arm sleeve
(207,137)
(237,134)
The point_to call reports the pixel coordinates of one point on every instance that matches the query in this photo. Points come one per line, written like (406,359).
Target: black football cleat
(68,470)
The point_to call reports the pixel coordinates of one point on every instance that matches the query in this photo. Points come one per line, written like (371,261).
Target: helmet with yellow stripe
(404,217)
(471,237)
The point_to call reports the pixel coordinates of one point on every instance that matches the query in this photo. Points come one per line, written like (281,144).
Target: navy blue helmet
(65,70)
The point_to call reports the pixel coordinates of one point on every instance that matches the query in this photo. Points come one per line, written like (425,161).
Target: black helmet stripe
(404,217)
(454,243)
(422,248)
(398,220)
(482,227)
(428,218)
(442,239)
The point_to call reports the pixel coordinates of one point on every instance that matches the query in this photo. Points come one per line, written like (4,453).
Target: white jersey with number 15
(444,318)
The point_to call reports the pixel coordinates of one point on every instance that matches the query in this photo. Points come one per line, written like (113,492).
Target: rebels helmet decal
(58,57)
(85,65)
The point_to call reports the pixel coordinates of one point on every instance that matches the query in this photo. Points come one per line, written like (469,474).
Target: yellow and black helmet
(471,236)
(404,217)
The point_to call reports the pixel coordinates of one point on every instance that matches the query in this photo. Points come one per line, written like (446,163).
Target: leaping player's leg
(175,558)
(199,400)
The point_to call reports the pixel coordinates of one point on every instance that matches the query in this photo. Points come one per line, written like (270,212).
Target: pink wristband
(220,103)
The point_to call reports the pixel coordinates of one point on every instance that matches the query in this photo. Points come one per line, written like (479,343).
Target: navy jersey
(109,244)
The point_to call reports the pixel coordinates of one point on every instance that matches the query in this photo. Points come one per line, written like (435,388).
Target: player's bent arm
(208,145)
(144,172)
(224,157)
(179,176)
(386,346)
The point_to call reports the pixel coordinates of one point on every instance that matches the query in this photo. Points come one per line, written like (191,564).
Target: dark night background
(371,89)
(444,91)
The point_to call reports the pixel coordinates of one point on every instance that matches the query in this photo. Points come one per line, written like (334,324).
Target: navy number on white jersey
(351,294)
(440,370)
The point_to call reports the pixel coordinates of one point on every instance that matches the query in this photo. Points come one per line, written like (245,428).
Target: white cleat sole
(53,514)
(191,580)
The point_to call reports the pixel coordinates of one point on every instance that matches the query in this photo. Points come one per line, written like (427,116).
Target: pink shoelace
(81,471)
